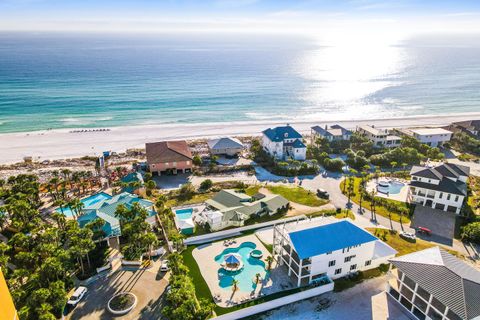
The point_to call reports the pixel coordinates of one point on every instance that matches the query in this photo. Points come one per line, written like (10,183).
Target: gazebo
(232,262)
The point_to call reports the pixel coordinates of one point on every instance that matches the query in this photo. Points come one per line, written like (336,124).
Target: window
(409,282)
(349,258)
(441,195)
(448,196)
(329,252)
(331,263)
(338,271)
(438,305)
(353,267)
(456,198)
(368,262)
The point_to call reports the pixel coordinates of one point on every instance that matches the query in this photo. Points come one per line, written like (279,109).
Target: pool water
(184,214)
(88,201)
(245,276)
(394,187)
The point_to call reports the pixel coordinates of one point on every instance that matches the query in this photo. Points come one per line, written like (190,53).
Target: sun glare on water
(344,73)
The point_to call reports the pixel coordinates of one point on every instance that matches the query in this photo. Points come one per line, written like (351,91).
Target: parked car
(424,230)
(77,296)
(323,194)
(408,236)
(164,267)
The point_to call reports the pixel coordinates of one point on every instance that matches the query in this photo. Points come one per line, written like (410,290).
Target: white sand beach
(62,144)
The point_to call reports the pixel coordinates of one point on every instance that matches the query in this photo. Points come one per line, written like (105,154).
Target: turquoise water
(245,277)
(184,214)
(88,201)
(80,81)
(394,187)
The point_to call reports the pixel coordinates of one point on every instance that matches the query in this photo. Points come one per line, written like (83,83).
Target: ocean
(54,81)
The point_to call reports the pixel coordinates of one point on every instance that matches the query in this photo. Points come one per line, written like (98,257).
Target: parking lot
(148,285)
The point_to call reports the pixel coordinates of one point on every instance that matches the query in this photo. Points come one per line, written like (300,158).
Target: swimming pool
(88,201)
(245,276)
(184,214)
(390,187)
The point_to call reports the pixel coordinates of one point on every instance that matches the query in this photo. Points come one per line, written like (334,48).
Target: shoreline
(63,144)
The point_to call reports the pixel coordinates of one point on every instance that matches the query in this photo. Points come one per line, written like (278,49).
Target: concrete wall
(277,303)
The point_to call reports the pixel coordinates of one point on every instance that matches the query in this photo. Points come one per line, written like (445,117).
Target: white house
(433,137)
(333,133)
(443,187)
(433,284)
(333,250)
(284,143)
(379,137)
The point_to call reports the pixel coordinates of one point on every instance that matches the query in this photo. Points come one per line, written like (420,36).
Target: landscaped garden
(395,210)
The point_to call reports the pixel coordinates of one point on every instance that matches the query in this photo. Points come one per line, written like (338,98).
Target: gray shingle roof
(453,282)
(332,131)
(445,185)
(225,143)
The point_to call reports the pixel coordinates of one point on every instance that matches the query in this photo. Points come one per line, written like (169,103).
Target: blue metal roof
(322,239)
(280,133)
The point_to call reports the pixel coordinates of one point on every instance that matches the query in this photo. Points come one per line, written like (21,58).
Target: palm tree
(393,164)
(257,278)
(76,206)
(235,283)
(269,260)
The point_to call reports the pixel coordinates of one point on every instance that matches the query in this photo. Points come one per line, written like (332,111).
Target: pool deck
(205,258)
(402,196)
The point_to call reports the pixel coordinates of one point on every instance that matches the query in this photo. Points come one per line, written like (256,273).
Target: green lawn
(197,198)
(252,190)
(298,195)
(380,210)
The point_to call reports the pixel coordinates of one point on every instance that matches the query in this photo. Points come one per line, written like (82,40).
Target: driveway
(334,305)
(148,285)
(171,181)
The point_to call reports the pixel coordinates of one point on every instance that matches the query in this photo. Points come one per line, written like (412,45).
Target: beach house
(284,143)
(433,137)
(443,187)
(105,210)
(225,146)
(333,249)
(433,284)
(381,138)
(333,133)
(232,208)
(471,127)
(169,157)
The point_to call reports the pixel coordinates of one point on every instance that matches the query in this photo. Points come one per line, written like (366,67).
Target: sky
(393,18)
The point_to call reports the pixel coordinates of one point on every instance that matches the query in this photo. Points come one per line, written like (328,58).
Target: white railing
(232,232)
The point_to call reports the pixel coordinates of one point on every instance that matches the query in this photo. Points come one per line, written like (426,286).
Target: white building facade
(381,138)
(433,137)
(284,143)
(443,187)
(332,250)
